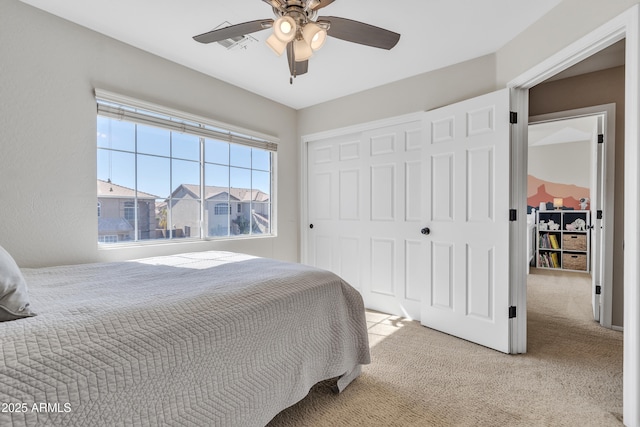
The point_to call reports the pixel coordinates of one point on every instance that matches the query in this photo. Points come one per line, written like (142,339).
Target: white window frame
(116,106)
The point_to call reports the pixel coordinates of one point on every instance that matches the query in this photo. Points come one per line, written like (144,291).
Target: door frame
(609,112)
(625,26)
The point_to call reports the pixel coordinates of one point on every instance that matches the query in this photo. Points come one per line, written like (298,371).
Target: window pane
(153,177)
(185,199)
(240,155)
(116,134)
(261,159)
(185,146)
(240,178)
(162,219)
(216,176)
(112,225)
(146,219)
(240,194)
(117,167)
(260,218)
(187,174)
(185,218)
(216,152)
(261,181)
(153,140)
(217,212)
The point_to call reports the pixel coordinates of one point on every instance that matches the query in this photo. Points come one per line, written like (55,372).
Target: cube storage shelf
(563,240)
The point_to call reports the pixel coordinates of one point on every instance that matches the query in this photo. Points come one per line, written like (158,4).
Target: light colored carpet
(571,375)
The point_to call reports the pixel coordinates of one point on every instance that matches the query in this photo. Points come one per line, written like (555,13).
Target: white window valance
(121,107)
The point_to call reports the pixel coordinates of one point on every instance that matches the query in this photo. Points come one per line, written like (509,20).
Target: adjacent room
(319,212)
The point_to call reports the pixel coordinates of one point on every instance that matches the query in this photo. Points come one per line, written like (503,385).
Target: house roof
(109,189)
(236,194)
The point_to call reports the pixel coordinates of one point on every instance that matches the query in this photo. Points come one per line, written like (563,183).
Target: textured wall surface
(49,70)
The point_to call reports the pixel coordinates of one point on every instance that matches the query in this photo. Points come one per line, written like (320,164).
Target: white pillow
(14,300)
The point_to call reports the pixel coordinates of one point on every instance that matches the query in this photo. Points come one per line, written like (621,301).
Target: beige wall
(420,93)
(588,90)
(563,25)
(49,68)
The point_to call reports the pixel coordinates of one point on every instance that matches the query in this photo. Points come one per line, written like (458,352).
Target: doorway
(626,26)
(572,161)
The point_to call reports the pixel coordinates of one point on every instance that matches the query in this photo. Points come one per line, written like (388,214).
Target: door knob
(310,225)
(425,231)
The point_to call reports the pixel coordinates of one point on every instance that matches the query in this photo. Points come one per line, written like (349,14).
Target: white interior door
(335,208)
(365,210)
(596,207)
(466,185)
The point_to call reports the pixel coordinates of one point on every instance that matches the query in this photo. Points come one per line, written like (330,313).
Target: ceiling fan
(300,31)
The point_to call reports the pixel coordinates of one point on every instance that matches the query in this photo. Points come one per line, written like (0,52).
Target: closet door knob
(425,231)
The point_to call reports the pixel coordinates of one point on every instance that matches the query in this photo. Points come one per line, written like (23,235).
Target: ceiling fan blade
(296,68)
(320,4)
(359,32)
(231,31)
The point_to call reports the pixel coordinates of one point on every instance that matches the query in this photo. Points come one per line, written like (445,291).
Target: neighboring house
(117,213)
(227,210)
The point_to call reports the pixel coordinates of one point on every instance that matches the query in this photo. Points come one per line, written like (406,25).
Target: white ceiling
(435,34)
(581,129)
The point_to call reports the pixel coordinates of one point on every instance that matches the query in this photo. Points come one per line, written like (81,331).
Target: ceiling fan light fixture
(312,4)
(314,35)
(285,29)
(276,45)
(301,50)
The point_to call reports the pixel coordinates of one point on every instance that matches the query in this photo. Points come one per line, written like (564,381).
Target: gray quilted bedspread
(200,339)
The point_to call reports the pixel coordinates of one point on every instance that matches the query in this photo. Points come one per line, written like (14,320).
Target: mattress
(204,339)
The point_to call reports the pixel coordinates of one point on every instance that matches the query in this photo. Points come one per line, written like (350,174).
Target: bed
(206,338)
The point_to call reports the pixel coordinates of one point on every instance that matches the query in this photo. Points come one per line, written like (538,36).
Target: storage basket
(574,242)
(574,261)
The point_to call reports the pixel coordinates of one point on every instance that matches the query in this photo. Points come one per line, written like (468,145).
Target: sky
(167,159)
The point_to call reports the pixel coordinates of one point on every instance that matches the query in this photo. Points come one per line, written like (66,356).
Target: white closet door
(372,193)
(335,208)
(365,212)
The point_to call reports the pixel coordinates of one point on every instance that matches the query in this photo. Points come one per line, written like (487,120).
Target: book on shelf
(545,260)
(553,239)
(544,241)
(555,260)
(548,260)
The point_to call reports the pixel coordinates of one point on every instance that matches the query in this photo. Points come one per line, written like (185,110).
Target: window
(222,209)
(129,211)
(167,175)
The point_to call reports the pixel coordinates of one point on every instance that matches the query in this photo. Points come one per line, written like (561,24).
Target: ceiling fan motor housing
(296,10)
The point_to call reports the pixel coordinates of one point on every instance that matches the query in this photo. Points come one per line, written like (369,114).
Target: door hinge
(598,214)
(513,215)
(600,138)
(513,117)
(512,312)
(598,290)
